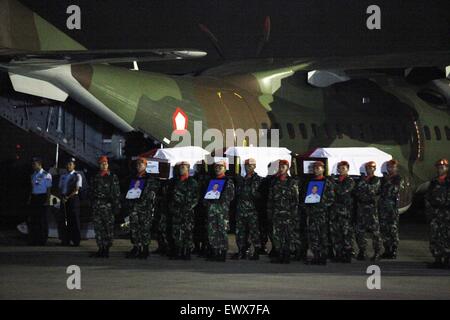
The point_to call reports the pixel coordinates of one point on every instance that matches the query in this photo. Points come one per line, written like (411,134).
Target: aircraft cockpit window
(291,131)
(437,130)
(303,131)
(447,132)
(427,132)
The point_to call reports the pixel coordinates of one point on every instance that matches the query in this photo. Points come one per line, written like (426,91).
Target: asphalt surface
(40,273)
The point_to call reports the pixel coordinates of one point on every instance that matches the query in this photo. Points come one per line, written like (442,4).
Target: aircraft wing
(376,61)
(48,59)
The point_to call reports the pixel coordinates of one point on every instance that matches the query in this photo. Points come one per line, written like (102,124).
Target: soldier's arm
(193,195)
(116,194)
(330,193)
(295,197)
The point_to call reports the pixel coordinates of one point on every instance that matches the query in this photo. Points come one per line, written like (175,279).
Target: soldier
(69,187)
(437,204)
(183,198)
(218,215)
(340,222)
(105,206)
(247,225)
(388,210)
(317,215)
(282,208)
(200,231)
(163,221)
(41,183)
(140,206)
(367,191)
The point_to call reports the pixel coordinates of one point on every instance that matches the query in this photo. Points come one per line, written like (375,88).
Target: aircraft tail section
(23,29)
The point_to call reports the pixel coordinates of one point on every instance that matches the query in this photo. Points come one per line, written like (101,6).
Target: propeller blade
(213,39)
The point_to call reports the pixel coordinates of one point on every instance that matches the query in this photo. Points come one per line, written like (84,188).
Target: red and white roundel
(179,120)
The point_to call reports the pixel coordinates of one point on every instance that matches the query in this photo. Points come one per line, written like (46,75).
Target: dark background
(299,28)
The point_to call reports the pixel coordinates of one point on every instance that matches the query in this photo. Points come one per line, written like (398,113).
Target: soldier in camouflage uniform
(141,206)
(367,191)
(105,205)
(340,222)
(182,200)
(388,210)
(300,236)
(247,224)
(437,204)
(200,232)
(218,216)
(317,216)
(282,206)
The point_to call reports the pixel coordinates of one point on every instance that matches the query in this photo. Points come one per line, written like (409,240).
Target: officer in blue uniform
(69,217)
(41,183)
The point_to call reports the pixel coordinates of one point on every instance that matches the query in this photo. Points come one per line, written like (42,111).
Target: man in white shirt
(214,193)
(313,197)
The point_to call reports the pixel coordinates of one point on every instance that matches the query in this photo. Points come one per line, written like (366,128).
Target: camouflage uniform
(200,232)
(183,198)
(341,213)
(437,203)
(105,204)
(141,212)
(366,193)
(388,211)
(247,224)
(317,221)
(218,217)
(163,220)
(282,206)
(300,235)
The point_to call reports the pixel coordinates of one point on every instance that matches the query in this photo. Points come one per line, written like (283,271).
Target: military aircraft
(313,102)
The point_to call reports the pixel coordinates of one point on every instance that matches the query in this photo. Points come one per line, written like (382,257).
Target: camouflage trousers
(283,230)
(341,229)
(165,239)
(440,233)
(217,226)
(200,232)
(300,236)
(182,228)
(367,222)
(247,227)
(103,218)
(389,220)
(317,229)
(140,227)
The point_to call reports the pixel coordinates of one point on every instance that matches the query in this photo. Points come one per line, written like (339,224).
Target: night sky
(299,28)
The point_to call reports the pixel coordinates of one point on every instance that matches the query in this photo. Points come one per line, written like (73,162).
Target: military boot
(347,256)
(105,252)
(187,253)
(315,260)
(133,253)
(394,252)
(323,259)
(255,255)
(330,255)
(437,264)
(339,257)
(376,256)
(222,257)
(387,254)
(276,258)
(361,255)
(144,253)
(97,254)
(286,257)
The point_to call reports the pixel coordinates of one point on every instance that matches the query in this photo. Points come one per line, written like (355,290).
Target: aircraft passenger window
(447,132)
(303,131)
(438,133)
(291,131)
(314,130)
(427,132)
(280,132)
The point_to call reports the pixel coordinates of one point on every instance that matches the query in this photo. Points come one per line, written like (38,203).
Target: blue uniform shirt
(40,181)
(65,179)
